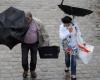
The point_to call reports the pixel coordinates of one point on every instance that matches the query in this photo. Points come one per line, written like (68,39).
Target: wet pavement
(50,14)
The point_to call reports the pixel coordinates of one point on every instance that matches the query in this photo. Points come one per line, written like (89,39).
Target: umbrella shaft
(62,2)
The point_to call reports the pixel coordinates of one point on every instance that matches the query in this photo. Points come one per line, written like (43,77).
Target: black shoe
(66,69)
(25,73)
(73,78)
(33,74)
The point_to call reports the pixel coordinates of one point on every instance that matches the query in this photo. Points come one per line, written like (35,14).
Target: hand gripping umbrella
(13,27)
(75,11)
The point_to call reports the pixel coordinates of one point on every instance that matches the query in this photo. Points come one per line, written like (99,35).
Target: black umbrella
(75,11)
(13,26)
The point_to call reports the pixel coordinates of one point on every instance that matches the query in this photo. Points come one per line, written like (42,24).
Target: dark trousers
(70,61)
(33,52)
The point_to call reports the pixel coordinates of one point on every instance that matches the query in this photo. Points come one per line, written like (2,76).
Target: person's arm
(74,22)
(63,35)
(45,35)
(77,28)
(42,33)
(62,32)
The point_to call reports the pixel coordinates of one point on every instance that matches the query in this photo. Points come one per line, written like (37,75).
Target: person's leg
(73,67)
(25,50)
(67,61)
(33,60)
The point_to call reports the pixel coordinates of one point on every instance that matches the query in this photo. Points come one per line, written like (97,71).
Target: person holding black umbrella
(35,37)
(68,34)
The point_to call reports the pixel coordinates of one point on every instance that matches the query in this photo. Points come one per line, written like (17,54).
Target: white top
(70,36)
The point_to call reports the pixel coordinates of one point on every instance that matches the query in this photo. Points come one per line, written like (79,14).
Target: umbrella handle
(62,2)
(73,16)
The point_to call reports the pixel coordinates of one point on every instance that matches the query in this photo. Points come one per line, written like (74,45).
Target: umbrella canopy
(13,26)
(75,11)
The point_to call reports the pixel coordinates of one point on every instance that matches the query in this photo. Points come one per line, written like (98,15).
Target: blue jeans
(70,61)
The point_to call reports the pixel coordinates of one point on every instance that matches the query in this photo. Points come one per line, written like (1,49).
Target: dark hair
(66,19)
